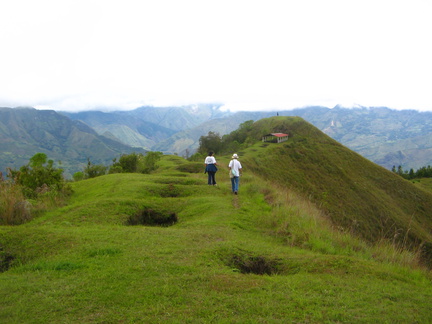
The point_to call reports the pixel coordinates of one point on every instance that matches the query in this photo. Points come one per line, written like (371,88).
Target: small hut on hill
(275,137)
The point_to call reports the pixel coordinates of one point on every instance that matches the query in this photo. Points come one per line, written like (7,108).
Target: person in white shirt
(235,172)
(211,169)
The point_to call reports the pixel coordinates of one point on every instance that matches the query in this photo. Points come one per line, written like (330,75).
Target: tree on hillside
(39,159)
(39,175)
(241,134)
(127,163)
(411,174)
(423,172)
(150,161)
(94,170)
(211,142)
(233,142)
(40,181)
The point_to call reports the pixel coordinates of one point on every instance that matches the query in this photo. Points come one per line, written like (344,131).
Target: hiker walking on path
(235,172)
(211,168)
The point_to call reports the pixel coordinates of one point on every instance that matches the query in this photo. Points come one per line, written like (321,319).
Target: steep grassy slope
(356,194)
(222,262)
(425,184)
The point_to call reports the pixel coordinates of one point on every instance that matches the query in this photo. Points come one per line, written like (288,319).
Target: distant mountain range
(385,136)
(382,135)
(147,126)
(70,143)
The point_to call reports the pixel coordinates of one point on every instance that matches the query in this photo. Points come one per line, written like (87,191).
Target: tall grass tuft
(389,252)
(14,208)
(299,223)
(50,198)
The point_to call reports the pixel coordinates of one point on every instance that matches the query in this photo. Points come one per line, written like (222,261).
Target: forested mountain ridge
(178,118)
(147,127)
(128,129)
(27,131)
(385,136)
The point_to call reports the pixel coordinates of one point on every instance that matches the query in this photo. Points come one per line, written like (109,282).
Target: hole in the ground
(191,167)
(170,190)
(426,254)
(152,217)
(6,260)
(256,264)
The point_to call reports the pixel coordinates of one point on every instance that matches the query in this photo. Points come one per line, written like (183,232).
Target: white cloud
(247,54)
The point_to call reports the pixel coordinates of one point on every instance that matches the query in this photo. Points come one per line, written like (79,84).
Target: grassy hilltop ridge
(356,194)
(272,254)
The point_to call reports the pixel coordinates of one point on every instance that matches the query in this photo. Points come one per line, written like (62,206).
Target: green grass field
(264,256)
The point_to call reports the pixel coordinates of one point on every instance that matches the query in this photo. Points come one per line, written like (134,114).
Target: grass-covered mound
(267,255)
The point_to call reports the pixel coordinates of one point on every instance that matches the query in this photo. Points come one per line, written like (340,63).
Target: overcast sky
(247,55)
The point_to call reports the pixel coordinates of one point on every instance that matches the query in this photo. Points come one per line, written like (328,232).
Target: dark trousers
(211,178)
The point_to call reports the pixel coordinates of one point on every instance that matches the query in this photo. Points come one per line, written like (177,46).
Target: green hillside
(357,195)
(273,254)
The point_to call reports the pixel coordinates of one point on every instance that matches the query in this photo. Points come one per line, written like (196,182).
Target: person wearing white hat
(235,172)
